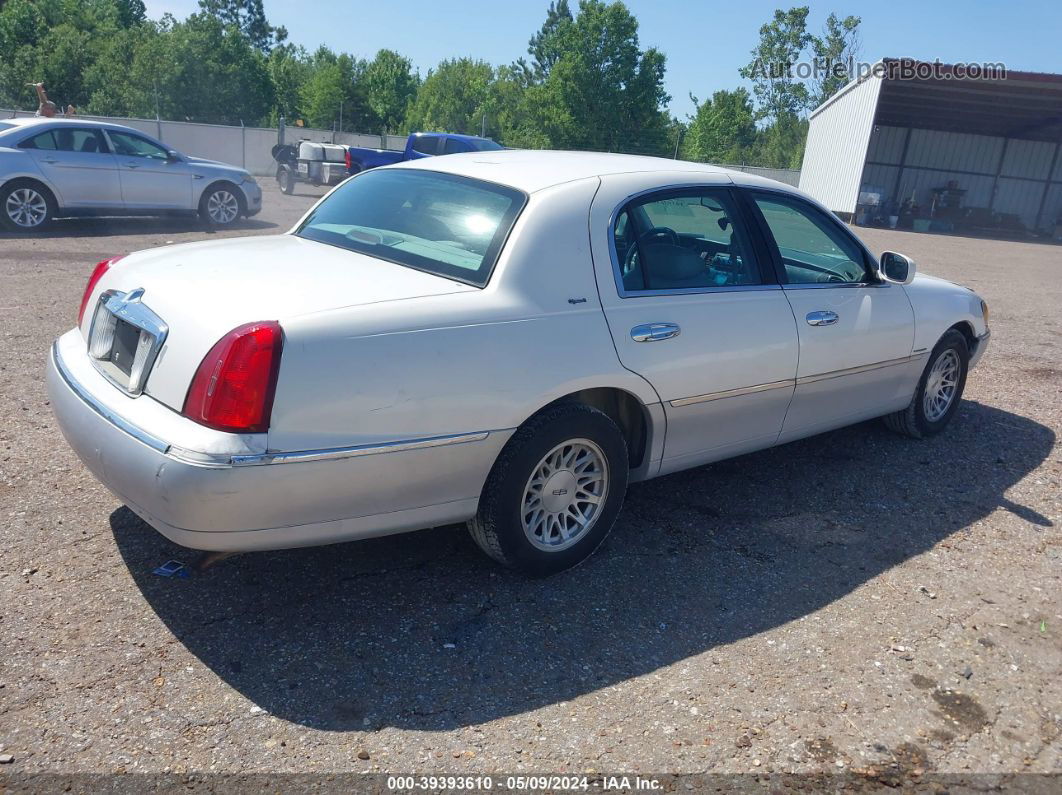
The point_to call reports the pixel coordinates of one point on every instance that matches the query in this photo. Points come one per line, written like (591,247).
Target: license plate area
(124,339)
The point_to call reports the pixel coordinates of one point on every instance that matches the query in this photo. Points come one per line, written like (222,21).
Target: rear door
(693,308)
(855,333)
(150,179)
(79,164)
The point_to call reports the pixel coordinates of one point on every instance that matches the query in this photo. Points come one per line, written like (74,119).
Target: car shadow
(117,226)
(422,631)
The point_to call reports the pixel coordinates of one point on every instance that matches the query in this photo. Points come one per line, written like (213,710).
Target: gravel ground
(852,602)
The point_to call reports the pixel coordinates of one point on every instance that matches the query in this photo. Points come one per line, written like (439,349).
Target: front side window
(485,145)
(129,145)
(683,240)
(440,223)
(813,250)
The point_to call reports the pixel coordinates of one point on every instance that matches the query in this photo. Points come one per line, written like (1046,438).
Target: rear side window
(440,223)
(129,145)
(426,145)
(42,140)
(79,140)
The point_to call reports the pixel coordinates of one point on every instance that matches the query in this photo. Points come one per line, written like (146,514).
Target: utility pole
(341,115)
(483,127)
(678,140)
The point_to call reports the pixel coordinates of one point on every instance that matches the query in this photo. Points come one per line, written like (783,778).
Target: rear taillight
(97,274)
(347,158)
(233,388)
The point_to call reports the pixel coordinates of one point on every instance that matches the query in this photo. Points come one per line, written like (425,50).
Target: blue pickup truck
(418,145)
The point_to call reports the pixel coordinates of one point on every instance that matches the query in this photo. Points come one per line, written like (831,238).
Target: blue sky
(705,42)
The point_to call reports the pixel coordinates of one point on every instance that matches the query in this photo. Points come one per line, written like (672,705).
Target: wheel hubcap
(222,207)
(565,494)
(941,385)
(26,207)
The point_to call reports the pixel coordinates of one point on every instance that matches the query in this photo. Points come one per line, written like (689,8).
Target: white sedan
(504,338)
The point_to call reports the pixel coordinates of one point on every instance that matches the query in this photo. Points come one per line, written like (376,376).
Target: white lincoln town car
(501,338)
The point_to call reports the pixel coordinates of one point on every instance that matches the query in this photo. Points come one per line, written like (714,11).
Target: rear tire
(939,391)
(286,181)
(26,206)
(555,491)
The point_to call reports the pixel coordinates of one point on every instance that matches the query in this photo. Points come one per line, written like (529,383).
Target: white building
(940,153)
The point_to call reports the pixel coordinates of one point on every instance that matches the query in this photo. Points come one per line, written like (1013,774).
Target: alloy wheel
(26,207)
(565,495)
(222,207)
(941,385)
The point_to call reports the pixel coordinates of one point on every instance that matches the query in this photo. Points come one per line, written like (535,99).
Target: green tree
(544,47)
(289,70)
(602,90)
(782,41)
(335,84)
(835,53)
(248,16)
(723,129)
(390,84)
(781,143)
(454,97)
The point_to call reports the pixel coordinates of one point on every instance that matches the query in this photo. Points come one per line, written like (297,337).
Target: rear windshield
(440,223)
(485,145)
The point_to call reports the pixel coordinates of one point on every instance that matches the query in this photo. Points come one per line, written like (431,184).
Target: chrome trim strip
(807,379)
(153,442)
(864,368)
(332,453)
(833,285)
(727,393)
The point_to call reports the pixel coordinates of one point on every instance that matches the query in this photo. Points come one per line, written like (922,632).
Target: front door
(151,180)
(77,162)
(855,332)
(692,310)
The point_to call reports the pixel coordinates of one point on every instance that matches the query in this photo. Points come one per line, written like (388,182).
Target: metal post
(340,116)
(280,130)
(678,140)
(995,180)
(243,143)
(1047,185)
(483,127)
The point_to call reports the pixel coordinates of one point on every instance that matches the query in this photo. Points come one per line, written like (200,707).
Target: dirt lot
(853,602)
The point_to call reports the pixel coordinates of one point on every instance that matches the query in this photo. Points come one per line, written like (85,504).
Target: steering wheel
(654,232)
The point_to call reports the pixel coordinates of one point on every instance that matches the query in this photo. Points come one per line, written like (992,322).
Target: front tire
(26,206)
(555,491)
(939,391)
(221,205)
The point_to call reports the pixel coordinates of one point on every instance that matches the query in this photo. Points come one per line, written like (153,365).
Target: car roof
(531,170)
(25,122)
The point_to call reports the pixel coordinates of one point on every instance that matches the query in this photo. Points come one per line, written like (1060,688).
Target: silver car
(53,168)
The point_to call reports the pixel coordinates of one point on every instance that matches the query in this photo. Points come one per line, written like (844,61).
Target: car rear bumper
(261,500)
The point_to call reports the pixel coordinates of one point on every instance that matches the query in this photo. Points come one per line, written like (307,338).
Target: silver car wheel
(26,207)
(222,207)
(565,495)
(941,385)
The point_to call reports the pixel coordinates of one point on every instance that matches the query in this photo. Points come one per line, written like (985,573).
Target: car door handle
(50,160)
(654,332)
(821,318)
(132,165)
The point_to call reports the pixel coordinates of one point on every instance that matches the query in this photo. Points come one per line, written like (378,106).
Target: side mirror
(896,268)
(173,156)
